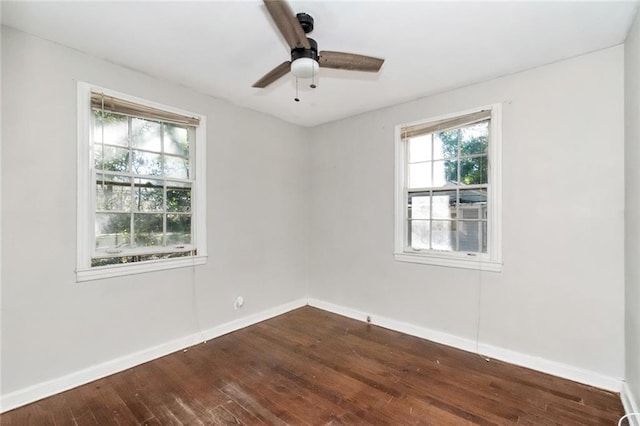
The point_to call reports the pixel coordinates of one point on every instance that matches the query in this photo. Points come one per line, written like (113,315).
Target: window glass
(145,134)
(176,140)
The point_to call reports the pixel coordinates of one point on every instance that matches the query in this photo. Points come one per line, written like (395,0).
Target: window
(141,177)
(448,190)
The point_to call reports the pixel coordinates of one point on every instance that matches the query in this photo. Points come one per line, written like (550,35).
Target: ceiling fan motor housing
(301,52)
(306,22)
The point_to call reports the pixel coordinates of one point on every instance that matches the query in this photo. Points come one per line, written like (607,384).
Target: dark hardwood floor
(310,367)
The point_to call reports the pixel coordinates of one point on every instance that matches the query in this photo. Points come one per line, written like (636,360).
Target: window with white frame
(448,190)
(141,178)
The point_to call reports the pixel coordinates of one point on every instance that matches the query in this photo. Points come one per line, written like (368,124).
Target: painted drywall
(561,291)
(632,212)
(53,326)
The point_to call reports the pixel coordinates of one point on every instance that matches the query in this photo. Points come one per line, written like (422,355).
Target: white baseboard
(554,368)
(42,390)
(535,363)
(630,404)
(403,327)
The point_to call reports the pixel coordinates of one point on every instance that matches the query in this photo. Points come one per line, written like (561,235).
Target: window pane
(146,163)
(470,234)
(178,197)
(148,195)
(113,192)
(484,237)
(473,213)
(444,205)
(420,175)
(176,140)
(145,134)
(178,229)
(148,229)
(158,256)
(115,130)
(443,235)
(474,170)
(419,234)
(104,261)
(111,158)
(473,139)
(113,230)
(420,148)
(470,213)
(419,205)
(476,198)
(176,167)
(445,144)
(445,173)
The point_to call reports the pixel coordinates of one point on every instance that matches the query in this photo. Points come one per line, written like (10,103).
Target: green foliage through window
(471,160)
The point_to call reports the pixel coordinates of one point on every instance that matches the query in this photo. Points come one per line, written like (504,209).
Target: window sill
(111,271)
(450,261)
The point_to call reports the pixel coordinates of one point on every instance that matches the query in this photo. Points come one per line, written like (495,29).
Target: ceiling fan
(305,58)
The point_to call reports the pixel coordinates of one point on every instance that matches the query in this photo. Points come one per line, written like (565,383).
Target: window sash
(457,220)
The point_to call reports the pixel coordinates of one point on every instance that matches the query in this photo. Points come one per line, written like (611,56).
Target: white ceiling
(222,47)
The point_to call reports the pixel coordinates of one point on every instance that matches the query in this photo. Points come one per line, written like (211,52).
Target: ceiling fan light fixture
(304,67)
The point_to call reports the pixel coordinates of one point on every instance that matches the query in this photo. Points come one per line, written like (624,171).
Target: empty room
(320,212)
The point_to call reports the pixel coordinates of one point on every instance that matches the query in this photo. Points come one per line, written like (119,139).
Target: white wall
(561,292)
(257,216)
(632,213)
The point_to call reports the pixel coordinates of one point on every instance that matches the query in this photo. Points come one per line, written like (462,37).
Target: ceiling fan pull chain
(296,98)
(313,78)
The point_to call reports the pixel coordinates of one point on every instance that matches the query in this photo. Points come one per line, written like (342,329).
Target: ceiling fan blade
(287,23)
(349,61)
(273,75)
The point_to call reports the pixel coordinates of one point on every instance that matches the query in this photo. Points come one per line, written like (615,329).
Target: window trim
(85,197)
(492,260)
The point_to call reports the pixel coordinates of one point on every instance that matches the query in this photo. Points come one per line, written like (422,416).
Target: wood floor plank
(223,417)
(78,408)
(127,385)
(311,367)
(242,416)
(254,403)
